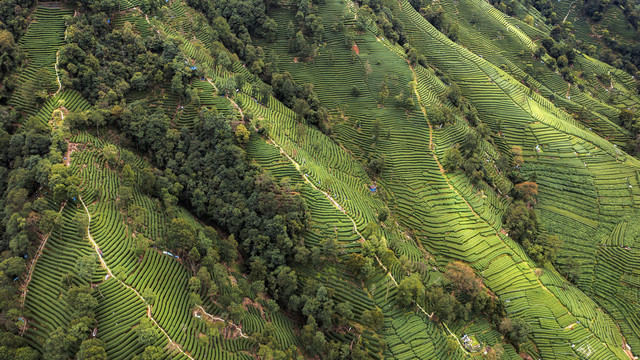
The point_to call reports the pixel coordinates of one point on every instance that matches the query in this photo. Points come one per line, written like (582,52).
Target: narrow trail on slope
(212,84)
(56,65)
(200,309)
(32,265)
(57,72)
(306,179)
(233,102)
(106,267)
(460,195)
(355,228)
(432,147)
(566,16)
(339,207)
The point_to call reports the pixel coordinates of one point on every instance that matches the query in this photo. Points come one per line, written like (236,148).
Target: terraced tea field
(382,207)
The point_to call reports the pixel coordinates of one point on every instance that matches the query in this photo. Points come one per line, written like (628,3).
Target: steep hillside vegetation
(331,179)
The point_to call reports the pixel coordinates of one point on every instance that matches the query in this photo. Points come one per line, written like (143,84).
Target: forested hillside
(326,179)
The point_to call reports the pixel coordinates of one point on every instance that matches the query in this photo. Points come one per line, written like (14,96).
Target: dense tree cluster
(619,53)
(463,296)
(30,157)
(506,6)
(31,162)
(207,171)
(72,339)
(622,55)
(596,10)
(233,24)
(305,36)
(545,8)
(302,100)
(516,330)
(378,13)
(244,19)
(13,16)
(631,122)
(104,64)
(11,57)
(436,15)
(111,5)
(13,24)
(561,52)
(523,225)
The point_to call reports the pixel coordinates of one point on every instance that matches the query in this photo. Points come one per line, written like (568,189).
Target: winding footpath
(106,267)
(56,65)
(36,256)
(57,75)
(200,309)
(355,228)
(31,266)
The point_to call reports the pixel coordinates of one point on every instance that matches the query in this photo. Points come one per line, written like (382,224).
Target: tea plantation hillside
(328,179)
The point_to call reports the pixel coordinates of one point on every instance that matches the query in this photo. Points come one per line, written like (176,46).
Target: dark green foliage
(405,102)
(544,248)
(462,296)
(227,190)
(12,266)
(515,330)
(302,100)
(373,318)
(359,265)
(452,159)
(13,24)
(572,269)
(504,6)
(14,15)
(440,116)
(410,292)
(375,165)
(180,234)
(92,349)
(523,226)
(81,301)
(105,65)
(595,9)
(150,353)
(58,345)
(11,56)
(147,332)
(521,222)
(438,18)
(261,221)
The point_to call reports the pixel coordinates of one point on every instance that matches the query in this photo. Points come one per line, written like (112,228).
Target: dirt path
(32,264)
(236,106)
(228,98)
(212,84)
(531,270)
(200,310)
(355,228)
(432,148)
(57,72)
(172,343)
(566,16)
(71,148)
(24,288)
